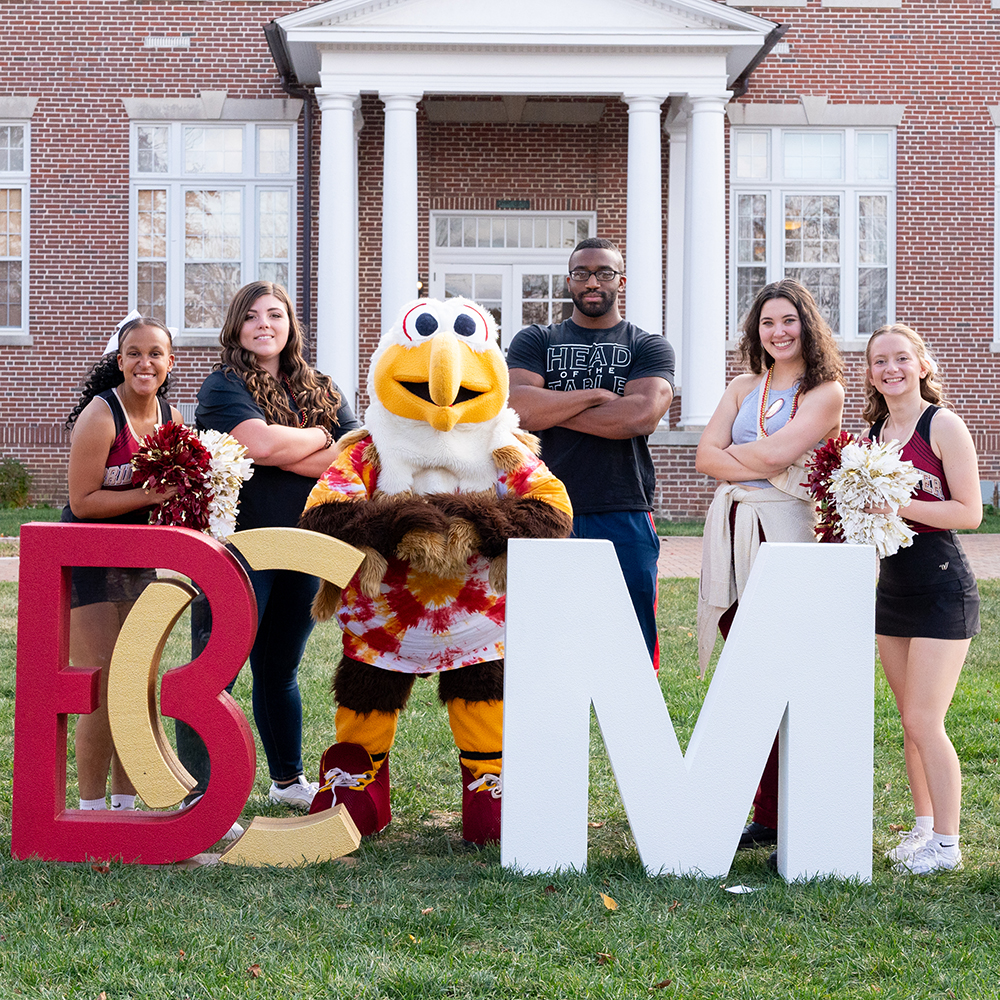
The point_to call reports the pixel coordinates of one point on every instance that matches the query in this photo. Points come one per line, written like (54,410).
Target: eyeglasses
(602,274)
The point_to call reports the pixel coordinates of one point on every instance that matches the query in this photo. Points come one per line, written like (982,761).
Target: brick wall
(941,65)
(81,58)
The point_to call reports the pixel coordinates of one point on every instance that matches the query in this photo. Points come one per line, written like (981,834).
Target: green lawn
(11,518)
(415,915)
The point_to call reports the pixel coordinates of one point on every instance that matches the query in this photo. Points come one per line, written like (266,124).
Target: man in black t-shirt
(593,388)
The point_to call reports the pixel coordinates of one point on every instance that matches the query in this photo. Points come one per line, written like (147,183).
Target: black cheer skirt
(928,590)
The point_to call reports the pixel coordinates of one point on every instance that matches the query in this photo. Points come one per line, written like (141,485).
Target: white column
(676,264)
(399,204)
(704,340)
(644,218)
(337,297)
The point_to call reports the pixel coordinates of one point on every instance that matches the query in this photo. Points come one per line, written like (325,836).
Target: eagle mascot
(430,490)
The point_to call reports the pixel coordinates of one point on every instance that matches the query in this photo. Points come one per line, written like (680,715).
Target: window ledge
(197,340)
(677,437)
(15,339)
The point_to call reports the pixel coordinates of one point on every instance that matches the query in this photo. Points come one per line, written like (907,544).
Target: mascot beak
(444,378)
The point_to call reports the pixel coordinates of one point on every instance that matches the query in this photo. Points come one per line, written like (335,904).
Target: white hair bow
(113,342)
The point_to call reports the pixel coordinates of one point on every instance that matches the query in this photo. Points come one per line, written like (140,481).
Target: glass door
(541,294)
(485,284)
(517,295)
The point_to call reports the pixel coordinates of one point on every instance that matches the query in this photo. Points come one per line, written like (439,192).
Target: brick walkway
(680,556)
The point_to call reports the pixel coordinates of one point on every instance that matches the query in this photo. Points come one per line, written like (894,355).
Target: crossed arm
(295,449)
(590,411)
(817,418)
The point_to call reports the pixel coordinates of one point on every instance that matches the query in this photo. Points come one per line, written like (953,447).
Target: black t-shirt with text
(600,475)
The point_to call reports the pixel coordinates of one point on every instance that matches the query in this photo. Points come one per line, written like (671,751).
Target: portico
(645,53)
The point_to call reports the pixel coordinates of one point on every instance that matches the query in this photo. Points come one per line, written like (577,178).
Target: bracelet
(329,437)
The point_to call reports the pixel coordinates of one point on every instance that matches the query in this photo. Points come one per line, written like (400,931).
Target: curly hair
(931,387)
(105,373)
(819,350)
(316,399)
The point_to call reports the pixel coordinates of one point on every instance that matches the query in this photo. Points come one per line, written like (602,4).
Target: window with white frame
(213,207)
(512,262)
(816,204)
(14,172)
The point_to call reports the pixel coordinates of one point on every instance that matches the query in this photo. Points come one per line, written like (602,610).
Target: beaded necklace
(766,412)
(288,386)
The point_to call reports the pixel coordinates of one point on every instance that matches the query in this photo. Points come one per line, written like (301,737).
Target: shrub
(15,483)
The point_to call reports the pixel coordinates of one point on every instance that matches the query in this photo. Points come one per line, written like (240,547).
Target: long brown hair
(819,349)
(314,394)
(931,388)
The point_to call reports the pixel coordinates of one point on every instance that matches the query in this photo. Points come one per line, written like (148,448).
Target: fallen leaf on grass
(888,786)
(101,869)
(661,985)
(670,909)
(596,826)
(254,971)
(424,912)
(897,827)
(107,906)
(603,957)
(609,902)
(549,889)
(180,954)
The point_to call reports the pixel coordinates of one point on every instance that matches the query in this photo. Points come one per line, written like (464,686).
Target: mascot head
(440,364)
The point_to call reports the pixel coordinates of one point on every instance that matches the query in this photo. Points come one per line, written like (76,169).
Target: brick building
(160,154)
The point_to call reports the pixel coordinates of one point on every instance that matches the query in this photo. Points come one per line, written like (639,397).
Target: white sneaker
(910,841)
(931,858)
(233,833)
(299,794)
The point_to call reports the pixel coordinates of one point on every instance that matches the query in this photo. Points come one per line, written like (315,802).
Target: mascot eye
(465,325)
(426,324)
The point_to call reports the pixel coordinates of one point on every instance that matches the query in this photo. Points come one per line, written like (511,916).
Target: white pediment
(324,41)
(582,18)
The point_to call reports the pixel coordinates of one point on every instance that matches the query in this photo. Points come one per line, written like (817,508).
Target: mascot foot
(480,808)
(350,779)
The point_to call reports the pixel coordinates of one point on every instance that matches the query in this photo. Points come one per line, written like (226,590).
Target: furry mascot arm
(379,523)
(346,504)
(497,519)
(534,505)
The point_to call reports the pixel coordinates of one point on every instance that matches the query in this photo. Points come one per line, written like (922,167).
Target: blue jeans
(638,549)
(284,623)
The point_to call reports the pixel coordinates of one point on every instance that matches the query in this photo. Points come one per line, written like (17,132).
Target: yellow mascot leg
(375,731)
(478,730)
